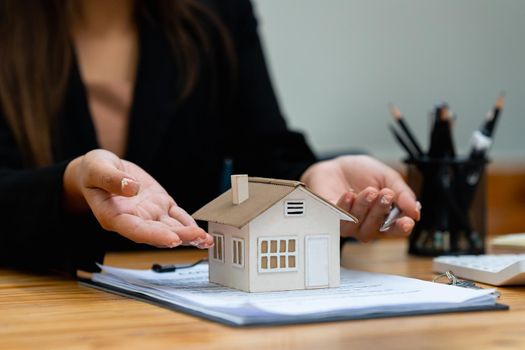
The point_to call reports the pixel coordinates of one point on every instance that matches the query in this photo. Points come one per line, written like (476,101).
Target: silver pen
(394,214)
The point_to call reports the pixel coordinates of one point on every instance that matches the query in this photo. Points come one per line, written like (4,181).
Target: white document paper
(360,293)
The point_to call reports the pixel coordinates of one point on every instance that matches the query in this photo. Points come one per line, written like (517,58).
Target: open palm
(366,188)
(126,199)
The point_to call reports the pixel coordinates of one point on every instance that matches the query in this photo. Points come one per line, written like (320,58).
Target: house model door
(317,261)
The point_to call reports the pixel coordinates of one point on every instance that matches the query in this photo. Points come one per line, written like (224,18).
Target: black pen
(398,116)
(441,143)
(399,138)
(490,124)
(448,143)
(172,268)
(481,139)
(434,147)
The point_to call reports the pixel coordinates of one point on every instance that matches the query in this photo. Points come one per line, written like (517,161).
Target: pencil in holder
(453,199)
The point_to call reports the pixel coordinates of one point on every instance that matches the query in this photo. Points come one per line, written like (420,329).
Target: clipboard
(266,319)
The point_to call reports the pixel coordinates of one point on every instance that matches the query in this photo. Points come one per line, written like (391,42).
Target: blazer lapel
(154,100)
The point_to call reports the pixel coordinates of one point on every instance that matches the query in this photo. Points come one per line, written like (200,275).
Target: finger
(402,227)
(181,215)
(345,202)
(405,197)
(190,235)
(150,232)
(170,222)
(407,202)
(106,176)
(363,202)
(376,215)
(205,245)
(361,205)
(194,236)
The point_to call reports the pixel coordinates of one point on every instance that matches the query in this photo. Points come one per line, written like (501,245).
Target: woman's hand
(127,200)
(367,189)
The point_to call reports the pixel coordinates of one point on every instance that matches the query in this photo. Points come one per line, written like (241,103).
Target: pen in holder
(450,188)
(452,195)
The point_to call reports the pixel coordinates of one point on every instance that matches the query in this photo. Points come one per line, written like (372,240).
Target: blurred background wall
(336,64)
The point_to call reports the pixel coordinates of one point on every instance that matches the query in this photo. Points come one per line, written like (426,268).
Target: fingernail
(175,244)
(387,199)
(418,207)
(205,245)
(371,197)
(196,242)
(407,228)
(126,184)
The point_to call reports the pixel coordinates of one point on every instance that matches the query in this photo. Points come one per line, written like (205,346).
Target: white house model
(272,235)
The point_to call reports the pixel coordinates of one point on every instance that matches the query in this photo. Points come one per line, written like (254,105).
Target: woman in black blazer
(200,93)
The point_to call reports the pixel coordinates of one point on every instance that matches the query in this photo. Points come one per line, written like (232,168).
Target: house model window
(218,247)
(238,252)
(294,208)
(277,254)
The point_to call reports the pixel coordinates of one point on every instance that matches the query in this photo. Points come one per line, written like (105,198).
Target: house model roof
(263,193)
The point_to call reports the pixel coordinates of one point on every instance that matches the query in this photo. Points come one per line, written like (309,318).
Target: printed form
(360,293)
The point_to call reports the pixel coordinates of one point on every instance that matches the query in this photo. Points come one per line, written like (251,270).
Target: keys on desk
(452,280)
(498,270)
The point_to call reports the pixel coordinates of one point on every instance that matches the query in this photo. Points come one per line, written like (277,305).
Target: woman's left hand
(367,189)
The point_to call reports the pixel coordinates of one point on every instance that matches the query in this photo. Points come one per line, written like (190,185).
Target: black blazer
(181,144)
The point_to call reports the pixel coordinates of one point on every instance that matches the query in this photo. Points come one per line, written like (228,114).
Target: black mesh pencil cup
(452,195)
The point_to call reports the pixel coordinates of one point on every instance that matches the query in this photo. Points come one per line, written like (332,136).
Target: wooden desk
(49,312)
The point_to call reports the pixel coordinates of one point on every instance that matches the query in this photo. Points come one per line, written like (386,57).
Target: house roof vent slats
(263,194)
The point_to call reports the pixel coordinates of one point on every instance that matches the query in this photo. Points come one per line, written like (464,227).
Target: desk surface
(50,312)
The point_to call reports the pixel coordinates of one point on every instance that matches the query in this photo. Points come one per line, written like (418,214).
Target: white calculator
(497,269)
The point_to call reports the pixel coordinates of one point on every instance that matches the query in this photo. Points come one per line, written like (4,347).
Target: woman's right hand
(127,200)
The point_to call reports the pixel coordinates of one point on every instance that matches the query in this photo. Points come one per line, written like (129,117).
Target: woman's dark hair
(35,60)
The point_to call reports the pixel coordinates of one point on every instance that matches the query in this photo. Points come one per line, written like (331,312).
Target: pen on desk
(172,268)
(398,116)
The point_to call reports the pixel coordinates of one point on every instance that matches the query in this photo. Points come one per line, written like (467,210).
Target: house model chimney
(239,188)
